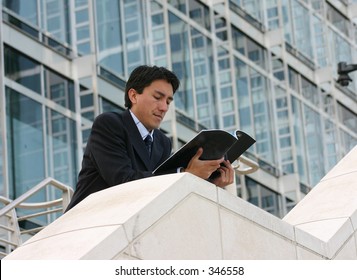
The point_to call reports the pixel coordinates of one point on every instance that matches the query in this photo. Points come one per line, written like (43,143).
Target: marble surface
(180,216)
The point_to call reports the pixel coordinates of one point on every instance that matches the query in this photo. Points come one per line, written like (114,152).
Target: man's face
(151,106)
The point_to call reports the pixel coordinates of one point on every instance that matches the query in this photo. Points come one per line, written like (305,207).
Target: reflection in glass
(202,55)
(244,102)
(248,47)
(181,63)
(22,69)
(199,13)
(59,90)
(315,156)
(263,197)
(331,144)
(109,36)
(27,9)
(108,106)
(302,31)
(299,140)
(347,117)
(61,142)
(337,19)
(310,91)
(2,190)
(261,111)
(25,143)
(348,142)
(31,158)
(56,20)
(321,45)
(252,191)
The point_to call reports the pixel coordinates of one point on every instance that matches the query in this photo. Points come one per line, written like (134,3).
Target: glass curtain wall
(109,36)
(25,130)
(2,177)
(82,26)
(50,15)
(157,33)
(254,109)
(245,87)
(26,9)
(264,198)
(121,36)
(41,141)
(181,58)
(55,18)
(322,34)
(307,30)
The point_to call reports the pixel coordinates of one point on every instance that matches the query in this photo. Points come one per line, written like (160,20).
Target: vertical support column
(4,179)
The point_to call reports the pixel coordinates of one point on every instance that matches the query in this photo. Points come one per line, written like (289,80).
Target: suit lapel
(136,140)
(157,150)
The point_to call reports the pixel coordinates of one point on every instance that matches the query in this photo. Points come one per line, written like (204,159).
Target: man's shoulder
(107,116)
(111,121)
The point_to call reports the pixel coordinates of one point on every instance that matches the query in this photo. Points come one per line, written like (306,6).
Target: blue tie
(148,143)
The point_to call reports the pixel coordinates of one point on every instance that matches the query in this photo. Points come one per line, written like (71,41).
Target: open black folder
(216,144)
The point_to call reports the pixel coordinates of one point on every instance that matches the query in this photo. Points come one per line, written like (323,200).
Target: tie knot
(148,140)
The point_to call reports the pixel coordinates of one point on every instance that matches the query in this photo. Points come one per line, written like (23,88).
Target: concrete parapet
(180,216)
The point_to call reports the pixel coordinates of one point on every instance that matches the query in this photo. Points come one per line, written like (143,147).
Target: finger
(231,175)
(227,175)
(229,171)
(198,153)
(226,163)
(223,174)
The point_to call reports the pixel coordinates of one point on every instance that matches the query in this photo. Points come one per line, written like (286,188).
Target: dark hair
(144,75)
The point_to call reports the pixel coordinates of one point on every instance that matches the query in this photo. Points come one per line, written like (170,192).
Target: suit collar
(138,143)
(142,129)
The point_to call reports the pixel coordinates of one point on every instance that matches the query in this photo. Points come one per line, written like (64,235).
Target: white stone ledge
(180,216)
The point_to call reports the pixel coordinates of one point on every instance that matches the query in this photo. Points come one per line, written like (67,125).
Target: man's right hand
(203,168)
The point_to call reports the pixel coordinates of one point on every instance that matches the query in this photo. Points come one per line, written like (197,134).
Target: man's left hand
(226,176)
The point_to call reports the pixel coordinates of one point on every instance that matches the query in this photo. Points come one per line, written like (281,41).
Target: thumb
(198,153)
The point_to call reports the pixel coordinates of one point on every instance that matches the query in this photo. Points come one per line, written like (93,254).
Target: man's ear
(132,95)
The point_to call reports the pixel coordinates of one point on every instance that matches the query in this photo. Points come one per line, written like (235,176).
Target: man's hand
(226,175)
(204,169)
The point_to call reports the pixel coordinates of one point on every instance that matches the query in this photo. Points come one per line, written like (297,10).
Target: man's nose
(164,106)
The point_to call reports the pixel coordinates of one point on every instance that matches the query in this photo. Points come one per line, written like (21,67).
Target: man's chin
(154,125)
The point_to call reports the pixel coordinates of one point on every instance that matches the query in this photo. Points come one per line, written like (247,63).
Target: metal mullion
(48,164)
(3,127)
(39,98)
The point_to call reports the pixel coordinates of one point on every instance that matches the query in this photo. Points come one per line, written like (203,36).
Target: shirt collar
(142,129)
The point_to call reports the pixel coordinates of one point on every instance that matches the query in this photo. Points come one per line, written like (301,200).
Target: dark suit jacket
(116,153)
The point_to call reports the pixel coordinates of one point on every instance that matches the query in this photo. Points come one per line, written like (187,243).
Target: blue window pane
(22,70)
(25,142)
(26,9)
(59,89)
(109,36)
(61,147)
(83,32)
(81,3)
(82,16)
(84,48)
(157,19)
(160,49)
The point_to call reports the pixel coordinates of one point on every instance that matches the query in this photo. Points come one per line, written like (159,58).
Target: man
(117,151)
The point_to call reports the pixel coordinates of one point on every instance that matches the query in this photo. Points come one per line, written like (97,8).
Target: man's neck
(142,129)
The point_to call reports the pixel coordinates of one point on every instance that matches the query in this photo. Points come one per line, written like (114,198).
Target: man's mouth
(159,117)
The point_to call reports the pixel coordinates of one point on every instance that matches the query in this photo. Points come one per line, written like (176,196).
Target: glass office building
(267,67)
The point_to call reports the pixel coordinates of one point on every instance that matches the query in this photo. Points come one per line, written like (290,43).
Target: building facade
(267,67)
